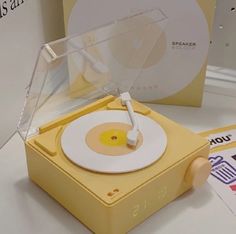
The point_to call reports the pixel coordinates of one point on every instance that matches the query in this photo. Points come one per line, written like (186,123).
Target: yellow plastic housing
(115,203)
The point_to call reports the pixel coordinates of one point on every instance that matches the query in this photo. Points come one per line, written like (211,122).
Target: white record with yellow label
(97,142)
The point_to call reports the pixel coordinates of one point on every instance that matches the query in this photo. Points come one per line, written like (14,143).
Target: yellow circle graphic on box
(114,137)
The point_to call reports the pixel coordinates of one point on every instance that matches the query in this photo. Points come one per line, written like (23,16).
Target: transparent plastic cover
(75,71)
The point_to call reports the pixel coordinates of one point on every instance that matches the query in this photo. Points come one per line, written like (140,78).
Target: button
(198,172)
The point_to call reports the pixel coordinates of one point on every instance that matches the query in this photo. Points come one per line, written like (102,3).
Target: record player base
(114,204)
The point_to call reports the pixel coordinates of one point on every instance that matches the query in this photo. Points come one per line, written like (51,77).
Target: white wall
(22,31)
(223,47)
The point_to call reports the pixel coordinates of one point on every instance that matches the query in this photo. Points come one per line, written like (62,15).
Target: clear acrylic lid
(75,71)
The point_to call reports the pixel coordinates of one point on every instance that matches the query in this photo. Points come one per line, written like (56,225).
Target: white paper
(222,138)
(223,176)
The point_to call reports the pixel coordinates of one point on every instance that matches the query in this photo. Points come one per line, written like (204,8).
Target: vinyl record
(97,142)
(175,60)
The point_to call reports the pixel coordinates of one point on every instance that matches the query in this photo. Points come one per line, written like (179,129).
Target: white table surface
(26,209)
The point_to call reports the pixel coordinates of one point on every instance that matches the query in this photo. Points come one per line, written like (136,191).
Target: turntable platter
(97,142)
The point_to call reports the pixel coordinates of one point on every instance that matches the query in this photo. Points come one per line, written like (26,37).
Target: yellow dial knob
(198,172)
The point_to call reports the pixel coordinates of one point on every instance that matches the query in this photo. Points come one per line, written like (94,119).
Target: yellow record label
(111,139)
(114,137)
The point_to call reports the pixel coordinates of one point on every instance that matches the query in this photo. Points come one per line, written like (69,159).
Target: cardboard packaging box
(175,71)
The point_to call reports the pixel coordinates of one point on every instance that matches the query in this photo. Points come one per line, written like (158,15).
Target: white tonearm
(132,135)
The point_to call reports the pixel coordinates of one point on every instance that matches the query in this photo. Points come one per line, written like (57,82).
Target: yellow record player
(109,160)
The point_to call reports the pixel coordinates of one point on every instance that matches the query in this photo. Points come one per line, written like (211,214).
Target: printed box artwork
(174,72)
(222,169)
(6,6)
(223,162)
